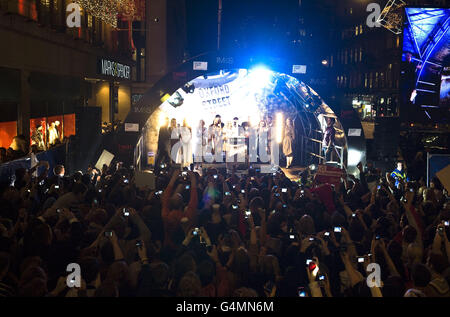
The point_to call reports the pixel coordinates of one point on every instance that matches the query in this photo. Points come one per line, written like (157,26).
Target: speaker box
(88,134)
(88,121)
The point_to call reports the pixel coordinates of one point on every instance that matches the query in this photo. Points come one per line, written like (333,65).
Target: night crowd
(219,235)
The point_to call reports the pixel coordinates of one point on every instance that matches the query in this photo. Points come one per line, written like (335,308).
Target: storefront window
(8,130)
(26,8)
(47,132)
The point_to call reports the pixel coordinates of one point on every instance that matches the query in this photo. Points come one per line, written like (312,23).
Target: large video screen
(425,71)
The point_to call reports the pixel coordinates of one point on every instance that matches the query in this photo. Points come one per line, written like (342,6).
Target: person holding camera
(173,207)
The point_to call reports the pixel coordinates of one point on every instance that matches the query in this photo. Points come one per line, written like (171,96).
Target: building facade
(48,68)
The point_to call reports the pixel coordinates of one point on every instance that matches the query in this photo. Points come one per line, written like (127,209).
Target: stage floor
(292,173)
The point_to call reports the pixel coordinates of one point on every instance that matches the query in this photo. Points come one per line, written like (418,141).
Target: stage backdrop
(248,95)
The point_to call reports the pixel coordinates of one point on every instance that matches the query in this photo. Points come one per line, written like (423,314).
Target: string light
(108,10)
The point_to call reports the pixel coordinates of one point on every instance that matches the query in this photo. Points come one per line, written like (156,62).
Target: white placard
(200,65)
(105,158)
(131,127)
(298,69)
(354,132)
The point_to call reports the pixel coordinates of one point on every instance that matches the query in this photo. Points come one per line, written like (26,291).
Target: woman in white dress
(216,138)
(200,142)
(186,144)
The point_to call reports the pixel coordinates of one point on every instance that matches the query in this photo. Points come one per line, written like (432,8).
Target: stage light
(279,126)
(325,62)
(189,88)
(242,72)
(165,97)
(354,157)
(260,76)
(162,119)
(254,120)
(312,167)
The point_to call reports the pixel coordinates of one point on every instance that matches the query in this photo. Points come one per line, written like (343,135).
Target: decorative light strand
(106,10)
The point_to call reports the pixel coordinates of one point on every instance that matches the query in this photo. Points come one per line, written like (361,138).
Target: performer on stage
(186,146)
(328,139)
(252,149)
(200,142)
(262,139)
(271,138)
(163,153)
(216,137)
(174,139)
(288,140)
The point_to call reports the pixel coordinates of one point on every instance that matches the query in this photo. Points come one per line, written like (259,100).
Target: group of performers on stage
(180,144)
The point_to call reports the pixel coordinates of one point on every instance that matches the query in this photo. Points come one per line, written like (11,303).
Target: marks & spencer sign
(114,69)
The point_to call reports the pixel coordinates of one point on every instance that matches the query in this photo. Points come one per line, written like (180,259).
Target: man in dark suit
(163,154)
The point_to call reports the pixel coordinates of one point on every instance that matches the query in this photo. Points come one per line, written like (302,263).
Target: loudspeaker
(88,121)
(88,135)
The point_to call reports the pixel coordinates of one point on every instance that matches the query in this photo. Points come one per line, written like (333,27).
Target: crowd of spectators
(19,149)
(209,234)
(16,150)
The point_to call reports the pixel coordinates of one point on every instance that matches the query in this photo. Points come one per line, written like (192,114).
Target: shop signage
(131,127)
(114,69)
(354,132)
(299,69)
(200,65)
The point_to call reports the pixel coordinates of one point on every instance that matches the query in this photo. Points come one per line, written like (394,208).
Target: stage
(293,172)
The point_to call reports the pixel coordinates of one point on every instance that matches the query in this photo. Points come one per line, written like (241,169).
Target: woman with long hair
(186,146)
(288,140)
(200,141)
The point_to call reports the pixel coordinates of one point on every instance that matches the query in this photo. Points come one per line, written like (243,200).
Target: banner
(329,175)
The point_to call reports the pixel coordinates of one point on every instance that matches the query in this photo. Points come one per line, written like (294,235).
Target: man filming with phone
(173,205)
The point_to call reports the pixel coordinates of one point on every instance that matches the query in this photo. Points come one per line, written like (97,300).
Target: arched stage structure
(249,89)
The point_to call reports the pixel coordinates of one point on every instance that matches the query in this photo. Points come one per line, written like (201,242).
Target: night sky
(265,27)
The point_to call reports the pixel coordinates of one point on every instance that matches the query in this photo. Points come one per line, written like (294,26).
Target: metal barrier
(339,150)
(54,156)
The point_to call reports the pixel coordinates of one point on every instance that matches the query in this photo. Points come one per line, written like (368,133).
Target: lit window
(89,21)
(45,3)
(360,29)
(356,30)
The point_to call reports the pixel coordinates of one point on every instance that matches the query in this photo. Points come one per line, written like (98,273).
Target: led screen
(425,71)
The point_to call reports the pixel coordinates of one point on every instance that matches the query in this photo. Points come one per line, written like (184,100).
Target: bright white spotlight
(354,157)
(260,76)
(254,120)
(279,126)
(162,119)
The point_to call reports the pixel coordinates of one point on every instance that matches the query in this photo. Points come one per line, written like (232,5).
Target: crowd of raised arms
(221,235)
